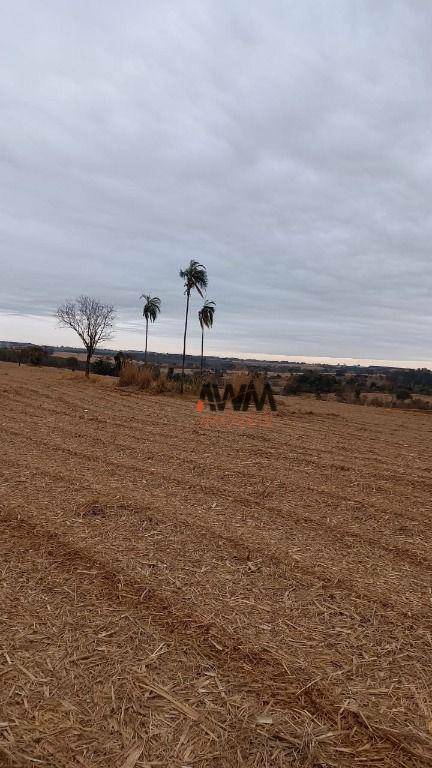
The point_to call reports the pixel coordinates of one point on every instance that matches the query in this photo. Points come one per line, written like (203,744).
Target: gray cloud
(286,145)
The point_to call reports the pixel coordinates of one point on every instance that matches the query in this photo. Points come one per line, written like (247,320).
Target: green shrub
(103,367)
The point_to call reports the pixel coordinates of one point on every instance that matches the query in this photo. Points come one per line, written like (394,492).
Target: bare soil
(177,591)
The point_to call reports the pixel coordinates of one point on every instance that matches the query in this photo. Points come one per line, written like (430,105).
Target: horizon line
(270,358)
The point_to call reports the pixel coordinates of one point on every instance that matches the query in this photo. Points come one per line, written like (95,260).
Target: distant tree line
(35,355)
(400,383)
(313,382)
(417,382)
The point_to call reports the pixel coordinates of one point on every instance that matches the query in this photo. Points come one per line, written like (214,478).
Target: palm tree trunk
(145,353)
(184,342)
(202,350)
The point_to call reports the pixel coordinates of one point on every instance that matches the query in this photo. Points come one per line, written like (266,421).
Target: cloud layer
(285,145)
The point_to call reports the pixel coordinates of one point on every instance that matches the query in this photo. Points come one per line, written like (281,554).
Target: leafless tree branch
(92,320)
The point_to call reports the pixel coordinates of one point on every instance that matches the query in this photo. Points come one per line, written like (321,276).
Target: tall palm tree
(205,317)
(151,309)
(195,278)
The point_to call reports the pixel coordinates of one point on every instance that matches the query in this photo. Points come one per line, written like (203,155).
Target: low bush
(238,380)
(402,394)
(103,367)
(244,378)
(377,402)
(312,382)
(414,403)
(71,362)
(149,378)
(162,384)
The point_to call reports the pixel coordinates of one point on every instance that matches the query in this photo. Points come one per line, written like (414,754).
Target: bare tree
(90,319)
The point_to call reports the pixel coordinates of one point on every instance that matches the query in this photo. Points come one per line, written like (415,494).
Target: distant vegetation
(413,381)
(403,386)
(312,382)
(407,388)
(93,322)
(34,355)
(149,378)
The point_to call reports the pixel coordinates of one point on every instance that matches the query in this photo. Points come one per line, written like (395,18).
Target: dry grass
(161,385)
(180,595)
(239,379)
(148,378)
(243,378)
(132,375)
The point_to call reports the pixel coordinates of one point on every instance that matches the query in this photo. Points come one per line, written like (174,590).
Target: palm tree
(205,317)
(152,307)
(195,277)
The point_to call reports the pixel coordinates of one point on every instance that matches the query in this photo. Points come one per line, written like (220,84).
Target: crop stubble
(176,595)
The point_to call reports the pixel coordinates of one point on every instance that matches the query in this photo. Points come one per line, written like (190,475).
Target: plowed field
(179,592)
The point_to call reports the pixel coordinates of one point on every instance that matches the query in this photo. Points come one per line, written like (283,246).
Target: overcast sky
(286,145)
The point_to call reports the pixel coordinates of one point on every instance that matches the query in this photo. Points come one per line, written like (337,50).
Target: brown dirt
(177,591)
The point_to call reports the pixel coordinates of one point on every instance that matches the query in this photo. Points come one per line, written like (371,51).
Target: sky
(286,145)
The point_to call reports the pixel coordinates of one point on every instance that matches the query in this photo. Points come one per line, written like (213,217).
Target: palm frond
(195,277)
(152,307)
(206,314)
